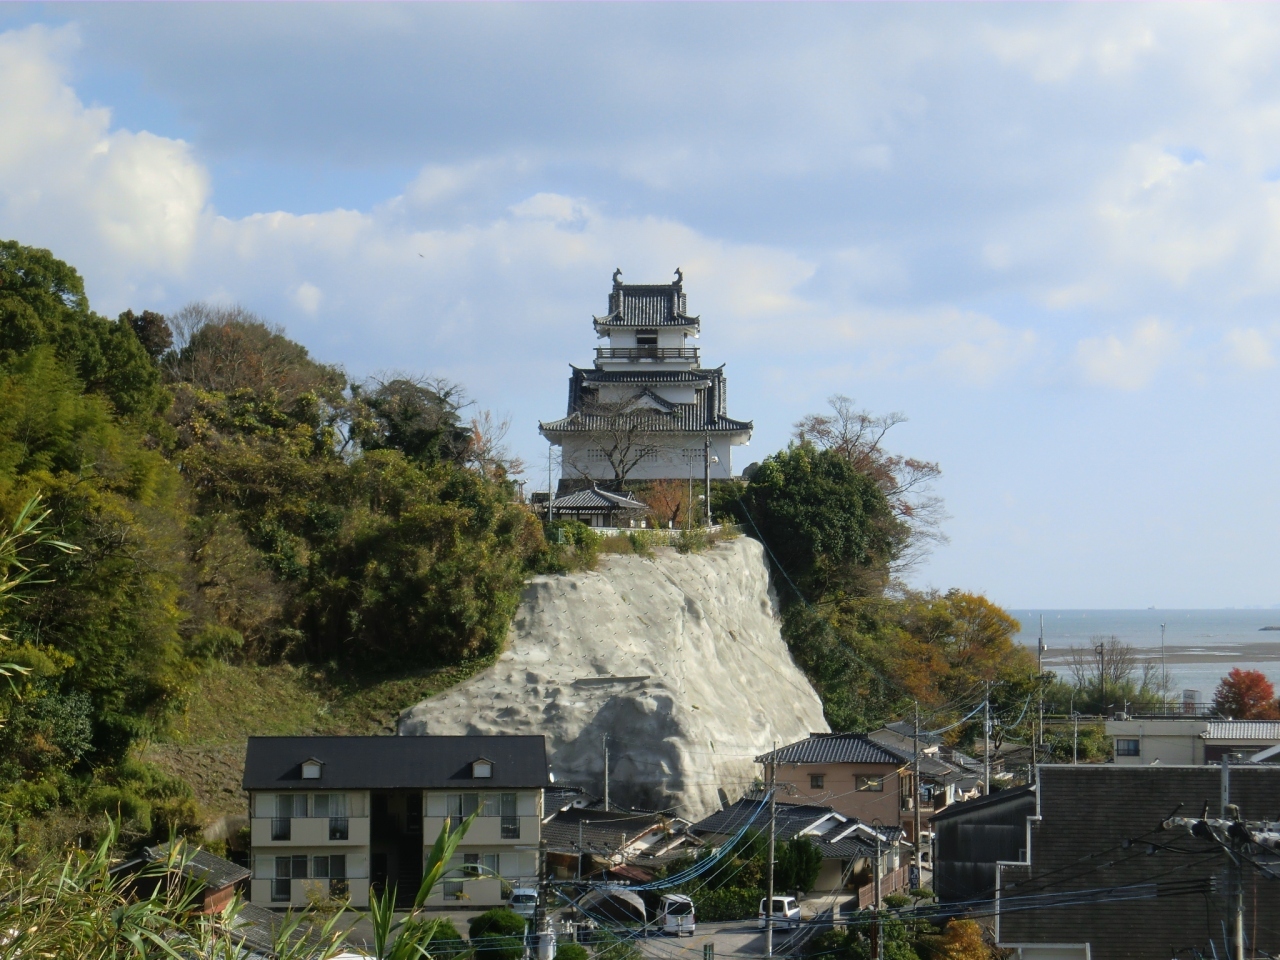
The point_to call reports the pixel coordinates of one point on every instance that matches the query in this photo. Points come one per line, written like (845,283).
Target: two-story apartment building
(1141,741)
(342,816)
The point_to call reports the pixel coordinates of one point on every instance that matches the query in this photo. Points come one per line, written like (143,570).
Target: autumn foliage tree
(1246,695)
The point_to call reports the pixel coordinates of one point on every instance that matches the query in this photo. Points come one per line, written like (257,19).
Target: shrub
(498,934)
(571,951)
(617,543)
(643,542)
(692,540)
(728,903)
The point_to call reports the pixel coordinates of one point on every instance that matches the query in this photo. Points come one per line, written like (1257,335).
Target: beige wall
(839,789)
(309,832)
(1171,742)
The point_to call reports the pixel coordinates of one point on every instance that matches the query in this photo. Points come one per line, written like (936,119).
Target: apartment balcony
(273,892)
(647,353)
(309,831)
(489,830)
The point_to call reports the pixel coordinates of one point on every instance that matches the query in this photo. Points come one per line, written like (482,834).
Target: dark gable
(389,763)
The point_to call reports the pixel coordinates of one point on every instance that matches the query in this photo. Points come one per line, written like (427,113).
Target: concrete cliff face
(679,660)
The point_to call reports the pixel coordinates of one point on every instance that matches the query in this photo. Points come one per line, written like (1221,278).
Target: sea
(1200,646)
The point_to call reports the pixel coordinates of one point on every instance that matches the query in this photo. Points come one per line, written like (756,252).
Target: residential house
(1188,740)
(216,880)
(1090,874)
(849,847)
(946,775)
(344,815)
(589,841)
(849,772)
(600,508)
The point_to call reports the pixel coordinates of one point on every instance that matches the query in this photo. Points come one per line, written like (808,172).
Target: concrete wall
(582,459)
(1171,742)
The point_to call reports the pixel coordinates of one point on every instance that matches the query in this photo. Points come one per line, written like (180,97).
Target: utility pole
(579,872)
(1035,753)
(915,774)
(986,741)
(550,495)
(604,742)
(773,828)
(876,906)
(1075,734)
(1101,651)
(706,470)
(1235,877)
(1164,672)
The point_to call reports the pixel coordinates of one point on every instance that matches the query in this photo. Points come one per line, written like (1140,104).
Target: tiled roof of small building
(596,499)
(1242,730)
(600,831)
(199,864)
(832,748)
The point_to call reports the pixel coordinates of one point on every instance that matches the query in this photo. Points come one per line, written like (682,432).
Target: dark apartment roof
(833,748)
(982,803)
(596,500)
(388,763)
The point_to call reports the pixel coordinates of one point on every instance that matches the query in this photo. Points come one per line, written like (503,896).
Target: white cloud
(1128,363)
(1249,348)
(131,200)
(308,297)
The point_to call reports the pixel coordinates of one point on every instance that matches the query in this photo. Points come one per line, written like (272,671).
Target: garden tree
(798,863)
(43,304)
(1246,695)
(498,934)
(668,499)
(487,451)
(829,527)
(907,483)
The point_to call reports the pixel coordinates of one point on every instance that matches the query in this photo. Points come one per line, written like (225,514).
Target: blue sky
(1048,234)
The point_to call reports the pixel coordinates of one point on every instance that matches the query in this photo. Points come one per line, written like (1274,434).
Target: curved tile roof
(832,748)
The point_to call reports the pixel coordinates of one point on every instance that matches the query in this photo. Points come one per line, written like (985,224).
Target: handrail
(646,353)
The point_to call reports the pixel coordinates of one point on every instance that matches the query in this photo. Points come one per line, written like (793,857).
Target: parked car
(786,913)
(524,901)
(676,915)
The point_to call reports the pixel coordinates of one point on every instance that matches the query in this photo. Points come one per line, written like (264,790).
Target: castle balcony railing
(647,353)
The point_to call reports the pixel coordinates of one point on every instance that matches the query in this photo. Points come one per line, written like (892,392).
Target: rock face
(678,660)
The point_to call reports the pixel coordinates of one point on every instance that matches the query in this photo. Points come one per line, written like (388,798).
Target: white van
(786,913)
(524,901)
(676,915)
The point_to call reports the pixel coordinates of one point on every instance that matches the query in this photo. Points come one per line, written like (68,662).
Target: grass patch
(204,742)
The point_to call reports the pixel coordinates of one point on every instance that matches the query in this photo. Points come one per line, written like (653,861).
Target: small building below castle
(647,409)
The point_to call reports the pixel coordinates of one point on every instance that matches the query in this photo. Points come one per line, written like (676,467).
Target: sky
(1047,234)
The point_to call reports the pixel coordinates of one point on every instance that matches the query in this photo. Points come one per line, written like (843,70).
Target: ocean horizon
(1200,646)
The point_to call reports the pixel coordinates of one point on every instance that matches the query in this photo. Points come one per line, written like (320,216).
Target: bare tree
(906,482)
(488,452)
(1111,673)
(622,433)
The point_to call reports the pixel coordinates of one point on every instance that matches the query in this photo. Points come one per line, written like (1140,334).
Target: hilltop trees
(228,496)
(842,518)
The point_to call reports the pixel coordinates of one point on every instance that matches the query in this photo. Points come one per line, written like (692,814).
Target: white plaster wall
(669,464)
(678,660)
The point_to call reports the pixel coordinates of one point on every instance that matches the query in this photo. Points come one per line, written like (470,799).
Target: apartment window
(329,805)
(510,820)
(1127,748)
(288,806)
(870,784)
(287,870)
(817,781)
(480,864)
(461,805)
(331,866)
(452,889)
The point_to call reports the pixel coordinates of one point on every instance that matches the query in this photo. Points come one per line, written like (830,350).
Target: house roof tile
(833,748)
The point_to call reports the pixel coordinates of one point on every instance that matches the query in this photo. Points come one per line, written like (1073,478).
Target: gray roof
(683,418)
(596,500)
(791,818)
(1242,730)
(386,763)
(696,376)
(833,748)
(601,831)
(981,803)
(211,870)
(647,305)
